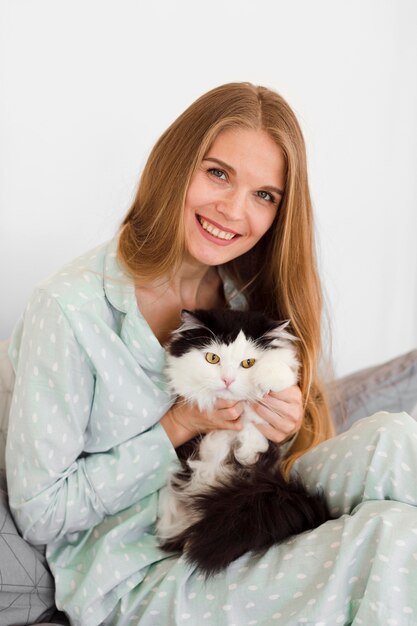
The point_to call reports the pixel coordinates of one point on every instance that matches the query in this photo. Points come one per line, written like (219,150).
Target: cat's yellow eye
(212,358)
(248,363)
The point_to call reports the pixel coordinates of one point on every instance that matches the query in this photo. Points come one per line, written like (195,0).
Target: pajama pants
(359,568)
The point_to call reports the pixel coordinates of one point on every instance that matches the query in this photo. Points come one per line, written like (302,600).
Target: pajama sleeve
(55,486)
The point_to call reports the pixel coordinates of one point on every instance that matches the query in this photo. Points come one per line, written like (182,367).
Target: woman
(222,218)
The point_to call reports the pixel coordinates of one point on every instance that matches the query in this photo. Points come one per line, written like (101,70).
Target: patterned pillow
(6,386)
(26,584)
(390,387)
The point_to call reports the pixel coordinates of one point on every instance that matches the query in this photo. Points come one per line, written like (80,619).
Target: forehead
(241,348)
(250,151)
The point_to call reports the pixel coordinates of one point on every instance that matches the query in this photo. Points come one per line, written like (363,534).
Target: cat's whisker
(254,398)
(181,401)
(218,486)
(164,383)
(168,386)
(202,336)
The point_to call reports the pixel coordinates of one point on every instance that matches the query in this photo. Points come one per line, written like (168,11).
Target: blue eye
(271,198)
(214,171)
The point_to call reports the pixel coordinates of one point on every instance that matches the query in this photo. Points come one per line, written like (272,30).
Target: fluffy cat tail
(254,511)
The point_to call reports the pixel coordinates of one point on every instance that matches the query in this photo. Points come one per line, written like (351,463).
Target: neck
(186,284)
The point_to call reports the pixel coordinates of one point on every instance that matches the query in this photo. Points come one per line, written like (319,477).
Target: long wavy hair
(279,274)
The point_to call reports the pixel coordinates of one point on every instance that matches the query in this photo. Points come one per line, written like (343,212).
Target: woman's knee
(394,425)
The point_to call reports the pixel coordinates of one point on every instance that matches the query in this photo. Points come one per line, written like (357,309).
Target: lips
(219,226)
(228,239)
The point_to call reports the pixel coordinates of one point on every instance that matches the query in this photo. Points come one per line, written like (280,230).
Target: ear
(189,321)
(279,333)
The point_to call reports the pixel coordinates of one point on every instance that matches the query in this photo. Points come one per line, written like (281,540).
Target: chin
(227,394)
(215,257)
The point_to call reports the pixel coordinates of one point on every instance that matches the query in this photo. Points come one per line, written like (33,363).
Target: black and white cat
(229,495)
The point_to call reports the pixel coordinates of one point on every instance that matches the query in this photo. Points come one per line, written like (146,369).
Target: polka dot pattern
(93,458)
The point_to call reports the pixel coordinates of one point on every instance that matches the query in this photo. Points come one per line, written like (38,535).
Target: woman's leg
(376,459)
(358,569)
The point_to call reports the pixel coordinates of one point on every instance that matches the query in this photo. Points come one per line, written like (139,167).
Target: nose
(228,381)
(232,205)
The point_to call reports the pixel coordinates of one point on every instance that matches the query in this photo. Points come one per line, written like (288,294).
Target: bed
(391,386)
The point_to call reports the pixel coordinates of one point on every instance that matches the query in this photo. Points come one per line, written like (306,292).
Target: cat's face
(230,355)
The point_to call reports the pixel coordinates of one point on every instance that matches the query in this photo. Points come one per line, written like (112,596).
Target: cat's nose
(228,381)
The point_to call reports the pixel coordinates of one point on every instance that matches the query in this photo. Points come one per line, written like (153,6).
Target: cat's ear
(279,336)
(189,321)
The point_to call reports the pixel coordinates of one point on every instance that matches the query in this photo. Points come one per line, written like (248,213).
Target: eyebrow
(232,169)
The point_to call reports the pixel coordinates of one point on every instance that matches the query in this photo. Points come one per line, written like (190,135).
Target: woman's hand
(184,421)
(283,413)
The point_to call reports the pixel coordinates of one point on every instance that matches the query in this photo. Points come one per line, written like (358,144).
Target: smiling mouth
(216,232)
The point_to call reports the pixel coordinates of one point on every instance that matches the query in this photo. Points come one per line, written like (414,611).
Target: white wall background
(87,86)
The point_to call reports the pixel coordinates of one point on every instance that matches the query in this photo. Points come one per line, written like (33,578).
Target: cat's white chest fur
(271,375)
(243,370)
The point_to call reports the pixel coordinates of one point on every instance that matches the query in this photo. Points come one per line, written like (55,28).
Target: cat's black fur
(225,324)
(257,508)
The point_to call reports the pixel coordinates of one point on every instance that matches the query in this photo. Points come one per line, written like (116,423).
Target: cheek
(198,193)
(265,224)
(260,220)
(199,371)
(191,376)
(243,387)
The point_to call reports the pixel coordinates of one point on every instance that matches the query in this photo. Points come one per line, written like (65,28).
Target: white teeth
(221,234)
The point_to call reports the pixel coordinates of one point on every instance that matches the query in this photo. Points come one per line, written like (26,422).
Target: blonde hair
(280,271)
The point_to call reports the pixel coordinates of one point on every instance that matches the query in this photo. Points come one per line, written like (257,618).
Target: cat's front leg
(215,446)
(211,463)
(275,373)
(251,441)
(176,511)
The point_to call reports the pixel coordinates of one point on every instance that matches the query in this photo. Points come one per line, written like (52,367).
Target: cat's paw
(251,443)
(276,374)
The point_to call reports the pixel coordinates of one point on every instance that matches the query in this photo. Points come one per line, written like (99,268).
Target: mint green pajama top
(86,458)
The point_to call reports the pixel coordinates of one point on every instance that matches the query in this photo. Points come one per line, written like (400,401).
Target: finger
(291,394)
(230,425)
(278,423)
(271,433)
(221,403)
(273,412)
(231,413)
(288,411)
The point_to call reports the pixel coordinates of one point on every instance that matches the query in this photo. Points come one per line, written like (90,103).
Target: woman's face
(235,194)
